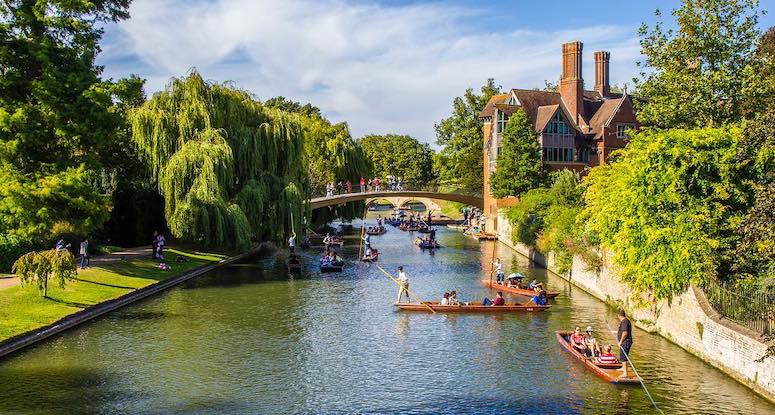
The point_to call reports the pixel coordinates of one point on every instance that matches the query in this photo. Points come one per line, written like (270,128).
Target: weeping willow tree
(331,154)
(230,171)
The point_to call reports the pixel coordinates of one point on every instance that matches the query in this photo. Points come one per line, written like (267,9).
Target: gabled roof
(544,115)
(604,114)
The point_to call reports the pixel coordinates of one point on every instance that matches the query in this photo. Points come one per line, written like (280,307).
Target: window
(503,119)
(584,154)
(621,130)
(557,125)
(512,100)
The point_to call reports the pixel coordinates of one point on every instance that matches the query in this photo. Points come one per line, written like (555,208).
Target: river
(247,339)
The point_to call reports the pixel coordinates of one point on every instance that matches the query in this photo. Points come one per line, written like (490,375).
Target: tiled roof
(495,99)
(603,114)
(543,115)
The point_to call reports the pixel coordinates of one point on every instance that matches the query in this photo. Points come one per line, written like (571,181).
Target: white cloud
(380,68)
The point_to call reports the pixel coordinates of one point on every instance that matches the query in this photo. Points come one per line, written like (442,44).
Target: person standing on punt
(498,268)
(292,243)
(403,282)
(624,336)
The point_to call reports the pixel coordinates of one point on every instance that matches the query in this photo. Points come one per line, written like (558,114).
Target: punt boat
(514,290)
(609,372)
(471,308)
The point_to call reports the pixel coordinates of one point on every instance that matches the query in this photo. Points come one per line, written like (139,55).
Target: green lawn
(452,210)
(23,308)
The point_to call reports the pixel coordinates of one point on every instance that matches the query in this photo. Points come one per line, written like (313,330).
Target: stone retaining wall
(687,320)
(22,341)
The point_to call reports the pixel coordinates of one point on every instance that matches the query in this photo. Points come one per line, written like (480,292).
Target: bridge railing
(432,188)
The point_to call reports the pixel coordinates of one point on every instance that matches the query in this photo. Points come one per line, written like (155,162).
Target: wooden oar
(407,290)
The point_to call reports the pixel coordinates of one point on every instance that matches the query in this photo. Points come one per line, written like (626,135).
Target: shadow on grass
(104,284)
(69,303)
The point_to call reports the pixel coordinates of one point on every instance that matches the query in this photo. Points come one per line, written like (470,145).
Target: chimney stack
(571,83)
(602,85)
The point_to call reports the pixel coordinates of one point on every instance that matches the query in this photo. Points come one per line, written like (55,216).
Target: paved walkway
(8,280)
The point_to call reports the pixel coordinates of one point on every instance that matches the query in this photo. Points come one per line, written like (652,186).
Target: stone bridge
(406,195)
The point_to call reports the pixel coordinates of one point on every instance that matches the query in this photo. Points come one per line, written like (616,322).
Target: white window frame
(621,129)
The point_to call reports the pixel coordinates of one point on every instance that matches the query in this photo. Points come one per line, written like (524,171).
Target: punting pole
(636,372)
(363,230)
(407,290)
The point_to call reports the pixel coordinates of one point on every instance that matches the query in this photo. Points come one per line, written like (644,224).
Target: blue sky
(390,66)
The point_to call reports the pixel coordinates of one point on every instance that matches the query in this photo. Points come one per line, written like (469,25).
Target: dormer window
(512,100)
(557,125)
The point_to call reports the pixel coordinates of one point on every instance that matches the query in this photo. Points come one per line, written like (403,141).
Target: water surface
(247,339)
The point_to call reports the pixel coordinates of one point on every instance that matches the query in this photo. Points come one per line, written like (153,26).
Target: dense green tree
(400,155)
(519,159)
(460,136)
(58,120)
(754,256)
(287,105)
(705,72)
(229,170)
(668,207)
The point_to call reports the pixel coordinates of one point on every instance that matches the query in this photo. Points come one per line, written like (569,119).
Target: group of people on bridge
(392,183)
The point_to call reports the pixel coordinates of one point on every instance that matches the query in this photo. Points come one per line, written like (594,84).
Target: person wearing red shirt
(363,184)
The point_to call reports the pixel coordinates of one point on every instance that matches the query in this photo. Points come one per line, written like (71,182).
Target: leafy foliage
(399,155)
(39,267)
(667,207)
(519,161)
(11,248)
(216,156)
(548,218)
(331,155)
(39,209)
(706,71)
(460,161)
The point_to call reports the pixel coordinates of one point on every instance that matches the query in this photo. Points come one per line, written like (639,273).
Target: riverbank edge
(686,320)
(18,343)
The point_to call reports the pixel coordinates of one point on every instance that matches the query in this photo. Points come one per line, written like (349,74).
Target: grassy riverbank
(23,308)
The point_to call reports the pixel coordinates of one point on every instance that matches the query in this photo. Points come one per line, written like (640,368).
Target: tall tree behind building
(460,161)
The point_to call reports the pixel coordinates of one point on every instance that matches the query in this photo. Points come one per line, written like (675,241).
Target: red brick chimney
(571,83)
(602,85)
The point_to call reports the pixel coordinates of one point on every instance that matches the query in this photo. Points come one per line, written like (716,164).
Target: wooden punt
(514,290)
(471,308)
(373,258)
(482,236)
(457,226)
(377,232)
(424,230)
(409,228)
(609,372)
(427,245)
(336,241)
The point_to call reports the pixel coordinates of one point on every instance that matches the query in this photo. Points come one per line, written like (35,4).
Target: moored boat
(471,308)
(609,372)
(514,290)
(336,241)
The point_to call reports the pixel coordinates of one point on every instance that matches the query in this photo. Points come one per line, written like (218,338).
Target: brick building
(576,128)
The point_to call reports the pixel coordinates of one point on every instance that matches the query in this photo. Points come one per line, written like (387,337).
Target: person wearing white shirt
(445,299)
(292,242)
(498,268)
(403,282)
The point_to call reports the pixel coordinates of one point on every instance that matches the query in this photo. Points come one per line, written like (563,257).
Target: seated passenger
(533,284)
(498,300)
(453,298)
(607,357)
(445,299)
(577,341)
(593,349)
